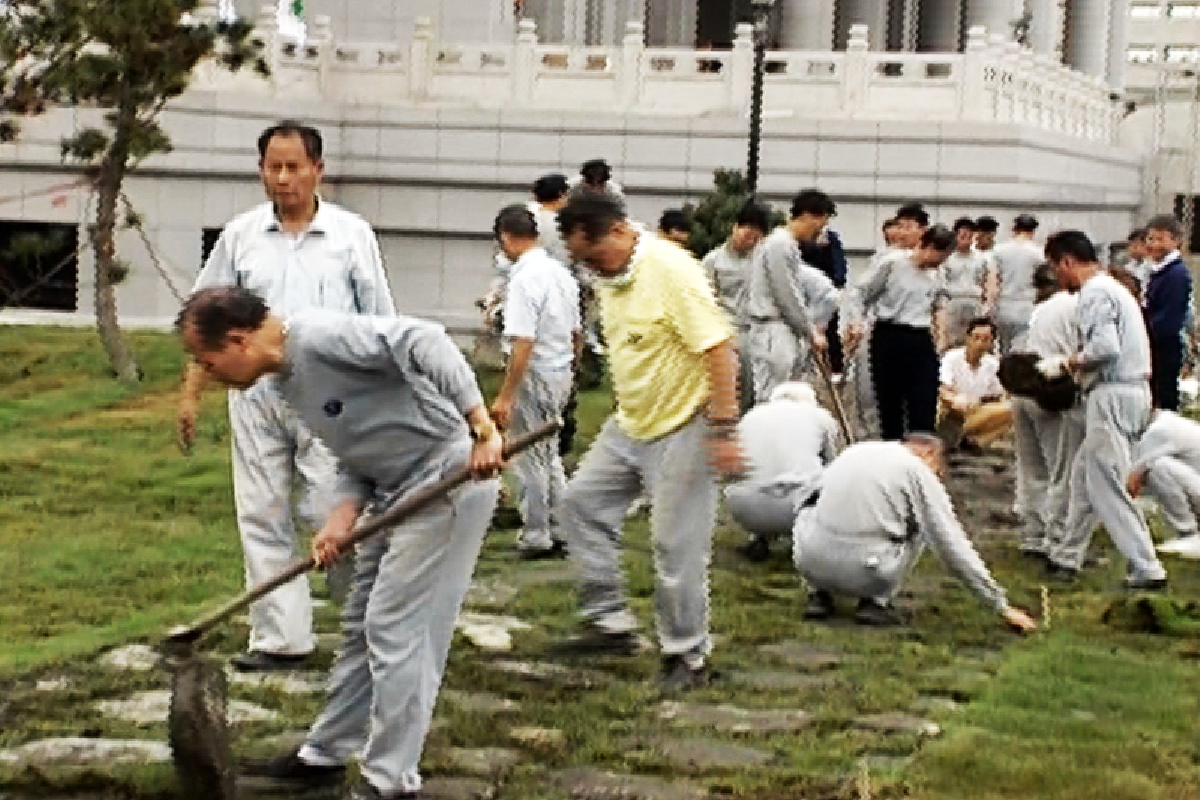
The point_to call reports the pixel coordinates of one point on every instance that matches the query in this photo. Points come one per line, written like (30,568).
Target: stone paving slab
(150,708)
(697,754)
(538,738)
(483,762)
(897,723)
(593,784)
(76,751)
(803,656)
(457,789)
(286,682)
(732,719)
(783,681)
(546,672)
(135,657)
(479,702)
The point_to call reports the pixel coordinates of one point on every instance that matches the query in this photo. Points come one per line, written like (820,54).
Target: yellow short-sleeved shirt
(659,320)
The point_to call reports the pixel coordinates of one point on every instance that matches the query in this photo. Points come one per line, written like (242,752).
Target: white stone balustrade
(993,80)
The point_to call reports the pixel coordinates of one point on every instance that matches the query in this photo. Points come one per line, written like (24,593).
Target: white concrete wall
(431,180)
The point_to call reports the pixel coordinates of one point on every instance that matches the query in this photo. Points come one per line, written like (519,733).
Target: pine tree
(129,57)
(713,218)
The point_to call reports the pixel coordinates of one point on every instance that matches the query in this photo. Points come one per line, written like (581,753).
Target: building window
(1184,11)
(1142,54)
(1145,11)
(1182,54)
(39,265)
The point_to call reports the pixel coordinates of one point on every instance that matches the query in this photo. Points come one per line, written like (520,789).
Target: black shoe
(758,549)
(1059,573)
(677,676)
(873,612)
(820,605)
(595,642)
(1146,584)
(558,549)
(291,769)
(363,790)
(258,661)
(1036,556)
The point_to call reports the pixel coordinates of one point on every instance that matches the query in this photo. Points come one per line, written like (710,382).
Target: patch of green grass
(112,536)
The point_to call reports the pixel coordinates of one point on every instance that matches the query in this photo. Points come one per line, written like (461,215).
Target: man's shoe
(292,769)
(757,549)
(258,661)
(363,790)
(677,676)
(1036,556)
(873,612)
(595,642)
(820,605)
(1146,584)
(1184,547)
(557,549)
(1059,573)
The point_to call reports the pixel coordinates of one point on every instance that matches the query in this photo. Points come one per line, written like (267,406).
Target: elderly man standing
(1167,467)
(787,303)
(298,252)
(878,505)
(788,440)
(542,334)
(1114,368)
(674,368)
(399,406)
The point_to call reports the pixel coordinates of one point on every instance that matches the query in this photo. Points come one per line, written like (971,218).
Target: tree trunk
(104,248)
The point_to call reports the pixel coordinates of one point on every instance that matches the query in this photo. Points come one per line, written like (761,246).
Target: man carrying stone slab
(399,407)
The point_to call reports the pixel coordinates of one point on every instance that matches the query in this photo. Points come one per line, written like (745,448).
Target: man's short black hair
(1071,243)
(965,223)
(1165,223)
(915,212)
(214,312)
(674,219)
(1025,223)
(592,214)
(982,322)
(314,145)
(1136,235)
(815,202)
(755,215)
(1044,276)
(596,171)
(515,220)
(938,237)
(549,188)
(986,224)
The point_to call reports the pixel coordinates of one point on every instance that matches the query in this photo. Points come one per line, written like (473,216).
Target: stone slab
(150,708)
(769,681)
(934,703)
(483,762)
(479,702)
(545,672)
(897,723)
(705,755)
(136,657)
(490,594)
(53,684)
(732,719)
(83,752)
(286,682)
(594,784)
(538,738)
(457,789)
(803,656)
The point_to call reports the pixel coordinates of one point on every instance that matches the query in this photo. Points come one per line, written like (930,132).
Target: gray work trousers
(1012,323)
(864,567)
(398,622)
(959,313)
(683,500)
(1176,486)
(1046,443)
(540,399)
(270,446)
(776,356)
(1117,414)
(768,508)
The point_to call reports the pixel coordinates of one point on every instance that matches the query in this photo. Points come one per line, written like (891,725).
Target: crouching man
(397,404)
(787,441)
(879,504)
(1167,466)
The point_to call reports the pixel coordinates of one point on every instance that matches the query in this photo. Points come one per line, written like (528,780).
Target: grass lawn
(110,535)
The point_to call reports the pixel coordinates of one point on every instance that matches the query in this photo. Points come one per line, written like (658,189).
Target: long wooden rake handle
(834,395)
(397,512)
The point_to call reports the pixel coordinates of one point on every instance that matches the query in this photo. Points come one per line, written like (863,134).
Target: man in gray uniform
(1046,442)
(298,252)
(878,505)
(542,331)
(787,303)
(1010,282)
(788,441)
(398,405)
(1114,369)
(964,271)
(1167,465)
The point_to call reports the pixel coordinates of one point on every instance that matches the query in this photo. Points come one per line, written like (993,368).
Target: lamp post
(762,20)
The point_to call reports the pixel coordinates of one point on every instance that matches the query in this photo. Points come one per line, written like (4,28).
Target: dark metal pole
(756,101)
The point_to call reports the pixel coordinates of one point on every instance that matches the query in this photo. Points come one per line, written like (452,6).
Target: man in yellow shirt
(674,366)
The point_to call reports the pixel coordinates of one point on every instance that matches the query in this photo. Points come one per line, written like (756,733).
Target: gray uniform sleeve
(781,263)
(830,437)
(864,292)
(820,295)
(936,520)
(1098,326)
(372,294)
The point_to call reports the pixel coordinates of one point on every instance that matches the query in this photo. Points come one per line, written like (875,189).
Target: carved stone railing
(993,80)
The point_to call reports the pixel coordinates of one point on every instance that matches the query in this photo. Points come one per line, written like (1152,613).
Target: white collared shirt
(334,265)
(1174,255)
(976,383)
(543,305)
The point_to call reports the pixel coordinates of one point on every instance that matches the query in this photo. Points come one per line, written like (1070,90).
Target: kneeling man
(397,404)
(788,441)
(879,504)
(1167,467)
